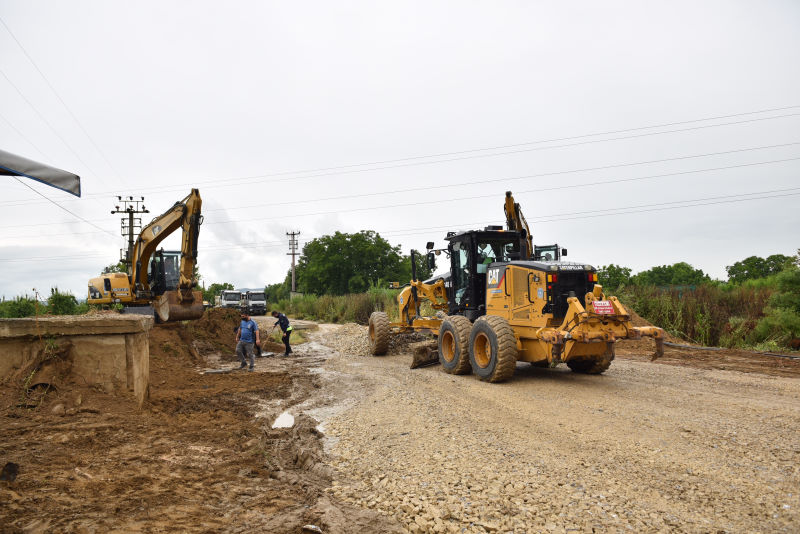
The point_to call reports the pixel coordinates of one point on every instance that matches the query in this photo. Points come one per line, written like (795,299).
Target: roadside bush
(61,303)
(708,314)
(342,308)
(19,307)
(782,321)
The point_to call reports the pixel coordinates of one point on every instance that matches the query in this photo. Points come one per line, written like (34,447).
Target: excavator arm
(183,302)
(516,221)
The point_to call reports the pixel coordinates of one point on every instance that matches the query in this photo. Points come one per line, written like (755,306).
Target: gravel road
(643,448)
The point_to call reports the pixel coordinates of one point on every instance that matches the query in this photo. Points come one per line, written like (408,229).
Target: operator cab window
(487,254)
(461,272)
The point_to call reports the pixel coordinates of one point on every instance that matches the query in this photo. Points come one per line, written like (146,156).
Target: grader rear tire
(492,349)
(594,366)
(454,345)
(379,333)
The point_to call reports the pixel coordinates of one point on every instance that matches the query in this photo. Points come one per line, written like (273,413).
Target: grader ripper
(505,305)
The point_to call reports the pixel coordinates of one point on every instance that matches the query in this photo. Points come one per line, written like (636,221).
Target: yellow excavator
(508,301)
(158,281)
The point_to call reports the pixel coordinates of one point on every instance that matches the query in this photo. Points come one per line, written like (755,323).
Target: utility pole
(131,207)
(293,252)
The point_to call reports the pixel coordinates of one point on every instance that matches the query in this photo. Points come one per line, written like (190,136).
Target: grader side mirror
(429,245)
(563,252)
(431,261)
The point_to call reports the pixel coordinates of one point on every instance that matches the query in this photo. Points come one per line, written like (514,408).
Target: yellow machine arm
(185,213)
(182,302)
(410,297)
(516,221)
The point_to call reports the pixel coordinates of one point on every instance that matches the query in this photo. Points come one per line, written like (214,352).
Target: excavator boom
(171,303)
(516,221)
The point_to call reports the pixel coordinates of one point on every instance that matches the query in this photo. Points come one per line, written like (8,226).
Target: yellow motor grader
(508,301)
(158,282)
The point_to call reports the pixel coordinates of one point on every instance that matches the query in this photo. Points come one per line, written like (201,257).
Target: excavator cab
(164,271)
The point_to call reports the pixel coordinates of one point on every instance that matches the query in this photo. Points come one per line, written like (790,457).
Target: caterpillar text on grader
(508,301)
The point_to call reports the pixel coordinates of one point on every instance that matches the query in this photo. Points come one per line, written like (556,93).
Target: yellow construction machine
(158,281)
(508,301)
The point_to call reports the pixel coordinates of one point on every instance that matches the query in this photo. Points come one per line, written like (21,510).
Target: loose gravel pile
(643,448)
(353,339)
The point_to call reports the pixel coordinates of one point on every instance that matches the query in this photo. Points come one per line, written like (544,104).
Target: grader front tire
(492,349)
(379,332)
(454,345)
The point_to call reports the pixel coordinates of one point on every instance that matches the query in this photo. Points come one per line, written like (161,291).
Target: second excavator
(158,281)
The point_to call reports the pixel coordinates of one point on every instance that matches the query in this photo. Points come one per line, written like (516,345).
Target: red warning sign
(603,307)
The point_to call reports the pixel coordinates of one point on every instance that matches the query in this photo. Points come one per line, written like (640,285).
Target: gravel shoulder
(644,447)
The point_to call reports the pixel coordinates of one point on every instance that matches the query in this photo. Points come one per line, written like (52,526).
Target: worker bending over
(283,322)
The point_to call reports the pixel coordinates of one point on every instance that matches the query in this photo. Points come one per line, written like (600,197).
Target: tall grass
(355,308)
(706,314)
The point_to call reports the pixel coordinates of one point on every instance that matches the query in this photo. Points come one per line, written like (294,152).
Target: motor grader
(505,303)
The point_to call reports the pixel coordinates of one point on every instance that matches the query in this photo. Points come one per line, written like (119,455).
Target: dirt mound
(637,320)
(199,457)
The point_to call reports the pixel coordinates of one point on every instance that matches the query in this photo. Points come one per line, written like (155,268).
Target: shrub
(61,303)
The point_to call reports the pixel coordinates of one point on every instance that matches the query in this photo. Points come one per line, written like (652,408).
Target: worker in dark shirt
(283,322)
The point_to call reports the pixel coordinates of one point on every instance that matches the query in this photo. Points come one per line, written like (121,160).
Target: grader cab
(505,305)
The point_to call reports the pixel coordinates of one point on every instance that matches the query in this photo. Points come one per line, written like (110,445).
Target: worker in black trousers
(283,322)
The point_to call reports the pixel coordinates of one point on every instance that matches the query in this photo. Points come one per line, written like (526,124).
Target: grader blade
(425,355)
(171,308)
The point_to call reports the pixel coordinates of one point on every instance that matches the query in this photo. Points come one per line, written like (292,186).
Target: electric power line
(50,126)
(65,209)
(221,182)
(475,197)
(226,182)
(661,206)
(50,85)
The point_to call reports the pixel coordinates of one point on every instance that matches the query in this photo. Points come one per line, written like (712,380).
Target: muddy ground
(201,455)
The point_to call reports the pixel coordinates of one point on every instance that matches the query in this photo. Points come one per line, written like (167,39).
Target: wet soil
(201,455)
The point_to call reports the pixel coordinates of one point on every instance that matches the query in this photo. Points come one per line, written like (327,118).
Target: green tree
(677,274)
(118,267)
(279,291)
(61,303)
(342,263)
(756,267)
(423,270)
(214,289)
(613,276)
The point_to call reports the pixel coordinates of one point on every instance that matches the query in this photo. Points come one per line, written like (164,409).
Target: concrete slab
(108,350)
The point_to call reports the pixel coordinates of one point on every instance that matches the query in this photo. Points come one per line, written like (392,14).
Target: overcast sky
(408,118)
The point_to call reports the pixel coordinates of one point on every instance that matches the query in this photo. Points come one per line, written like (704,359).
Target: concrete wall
(108,350)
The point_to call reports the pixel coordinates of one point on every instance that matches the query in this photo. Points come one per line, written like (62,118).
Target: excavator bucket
(170,308)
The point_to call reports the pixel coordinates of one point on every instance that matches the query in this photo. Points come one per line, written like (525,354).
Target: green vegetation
(759,307)
(57,303)
(341,264)
(781,323)
(754,267)
(340,308)
(678,274)
(214,289)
